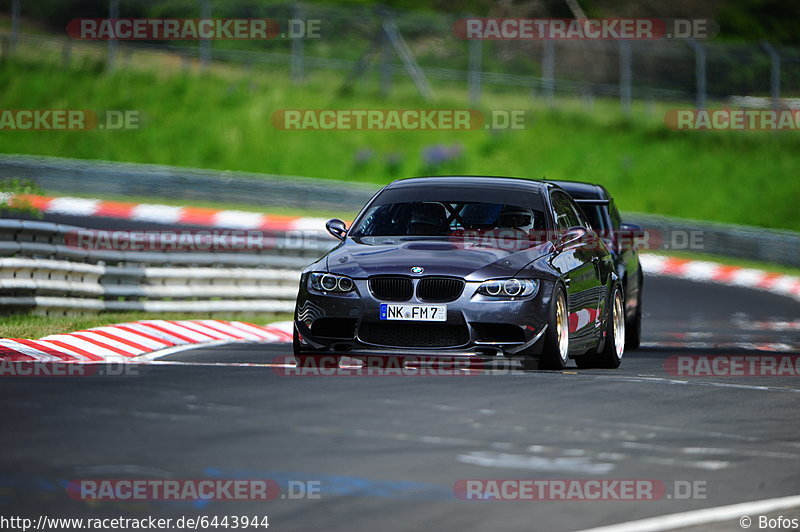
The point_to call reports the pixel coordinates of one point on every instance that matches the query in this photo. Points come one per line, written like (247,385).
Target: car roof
(459,181)
(582,190)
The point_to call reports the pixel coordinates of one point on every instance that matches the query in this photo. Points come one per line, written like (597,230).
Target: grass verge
(222,119)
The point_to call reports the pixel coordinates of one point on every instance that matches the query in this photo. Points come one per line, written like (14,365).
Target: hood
(364,257)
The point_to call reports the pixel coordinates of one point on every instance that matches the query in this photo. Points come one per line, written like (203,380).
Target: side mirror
(337,228)
(630,237)
(633,228)
(571,236)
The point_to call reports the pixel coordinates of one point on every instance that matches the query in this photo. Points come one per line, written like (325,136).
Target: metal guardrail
(766,245)
(102,177)
(41,272)
(128,179)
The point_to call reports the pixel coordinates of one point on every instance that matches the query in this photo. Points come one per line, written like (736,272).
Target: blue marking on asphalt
(329,485)
(344,485)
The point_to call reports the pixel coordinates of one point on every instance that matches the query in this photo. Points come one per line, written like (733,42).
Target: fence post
(113,12)
(548,70)
(699,73)
(400,46)
(774,74)
(474,76)
(205,44)
(625,76)
(15,15)
(298,48)
(66,53)
(386,70)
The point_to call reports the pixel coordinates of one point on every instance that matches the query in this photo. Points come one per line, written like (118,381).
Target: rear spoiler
(592,201)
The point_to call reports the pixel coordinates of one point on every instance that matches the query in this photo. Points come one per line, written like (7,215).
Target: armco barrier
(40,272)
(127,179)
(767,245)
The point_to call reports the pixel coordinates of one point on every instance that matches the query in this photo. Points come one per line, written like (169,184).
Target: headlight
(328,282)
(508,287)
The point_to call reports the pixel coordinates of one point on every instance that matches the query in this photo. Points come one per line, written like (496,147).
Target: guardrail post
(625,77)
(699,73)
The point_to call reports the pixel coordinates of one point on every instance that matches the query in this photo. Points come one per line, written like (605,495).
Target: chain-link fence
(383,45)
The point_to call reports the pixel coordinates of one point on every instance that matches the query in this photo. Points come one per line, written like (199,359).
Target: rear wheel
(633,328)
(555,351)
(310,360)
(633,331)
(610,354)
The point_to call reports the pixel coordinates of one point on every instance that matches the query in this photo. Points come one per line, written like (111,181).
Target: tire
(308,360)
(633,330)
(555,351)
(609,354)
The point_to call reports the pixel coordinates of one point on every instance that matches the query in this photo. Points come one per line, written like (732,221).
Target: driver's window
(565,214)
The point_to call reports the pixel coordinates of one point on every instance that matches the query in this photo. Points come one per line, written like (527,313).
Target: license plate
(414,312)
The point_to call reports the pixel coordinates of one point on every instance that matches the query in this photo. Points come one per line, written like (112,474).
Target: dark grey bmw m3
(468,268)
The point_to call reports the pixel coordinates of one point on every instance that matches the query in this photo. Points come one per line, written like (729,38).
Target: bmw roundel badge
(417,269)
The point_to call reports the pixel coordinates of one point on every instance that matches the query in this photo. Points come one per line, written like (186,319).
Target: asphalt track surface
(388,450)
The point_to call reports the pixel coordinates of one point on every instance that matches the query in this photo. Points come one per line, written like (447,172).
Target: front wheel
(555,351)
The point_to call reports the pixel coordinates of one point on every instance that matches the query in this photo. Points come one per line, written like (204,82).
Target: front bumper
(476,326)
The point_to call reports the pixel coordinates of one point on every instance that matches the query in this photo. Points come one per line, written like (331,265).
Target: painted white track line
(703,517)
(177,349)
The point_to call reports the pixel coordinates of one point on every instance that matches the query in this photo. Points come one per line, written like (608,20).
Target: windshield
(446,218)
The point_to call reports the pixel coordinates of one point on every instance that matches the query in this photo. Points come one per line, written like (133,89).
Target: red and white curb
(170,214)
(137,341)
(582,318)
(712,272)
